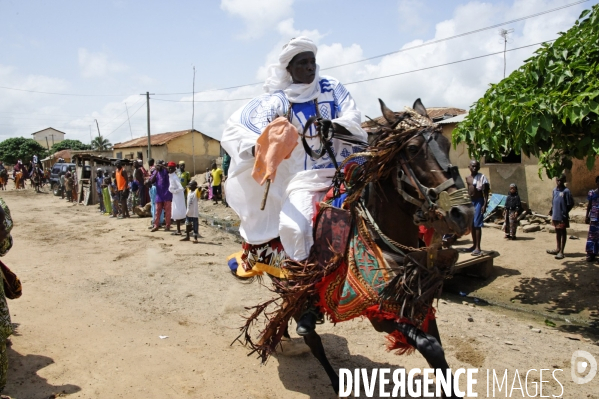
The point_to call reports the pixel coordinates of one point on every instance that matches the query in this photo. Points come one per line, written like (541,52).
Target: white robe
(178,209)
(300,181)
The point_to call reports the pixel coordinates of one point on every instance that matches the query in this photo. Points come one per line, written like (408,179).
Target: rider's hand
(324,123)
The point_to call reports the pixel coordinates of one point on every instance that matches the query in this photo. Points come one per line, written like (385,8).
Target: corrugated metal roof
(433,113)
(62,154)
(455,119)
(155,139)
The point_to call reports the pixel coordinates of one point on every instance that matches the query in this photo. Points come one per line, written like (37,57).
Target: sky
(97,57)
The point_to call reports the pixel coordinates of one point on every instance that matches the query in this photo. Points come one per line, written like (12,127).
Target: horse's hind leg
(315,343)
(429,345)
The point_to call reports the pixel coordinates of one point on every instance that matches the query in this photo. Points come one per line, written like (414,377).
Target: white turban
(278,78)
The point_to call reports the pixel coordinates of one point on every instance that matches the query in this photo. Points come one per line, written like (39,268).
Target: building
(535,190)
(185,145)
(48,137)
(513,168)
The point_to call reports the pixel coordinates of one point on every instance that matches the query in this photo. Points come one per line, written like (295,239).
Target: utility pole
(48,145)
(52,139)
(193,102)
(98,127)
(503,33)
(129,120)
(148,94)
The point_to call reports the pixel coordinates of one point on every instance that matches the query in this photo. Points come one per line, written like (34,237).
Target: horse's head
(412,150)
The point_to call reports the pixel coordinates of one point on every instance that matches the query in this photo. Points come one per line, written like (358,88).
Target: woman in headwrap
(5,323)
(513,207)
(294,89)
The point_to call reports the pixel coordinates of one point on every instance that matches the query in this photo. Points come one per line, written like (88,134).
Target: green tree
(101,144)
(69,145)
(548,108)
(21,148)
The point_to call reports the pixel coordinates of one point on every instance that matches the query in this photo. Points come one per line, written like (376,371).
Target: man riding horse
(283,230)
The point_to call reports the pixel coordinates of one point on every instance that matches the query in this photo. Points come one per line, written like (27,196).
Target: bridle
(431,200)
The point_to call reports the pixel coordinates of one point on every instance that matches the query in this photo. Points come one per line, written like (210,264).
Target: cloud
(259,16)
(97,65)
(410,19)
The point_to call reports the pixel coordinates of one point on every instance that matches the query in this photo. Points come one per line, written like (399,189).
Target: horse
(3,178)
(36,178)
(401,180)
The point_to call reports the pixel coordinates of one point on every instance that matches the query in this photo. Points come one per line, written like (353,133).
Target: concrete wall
(180,149)
(158,152)
(534,190)
(40,137)
(206,150)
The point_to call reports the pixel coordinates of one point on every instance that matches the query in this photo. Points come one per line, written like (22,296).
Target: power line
(125,121)
(66,94)
(402,50)
(460,35)
(203,101)
(395,74)
(447,63)
(331,67)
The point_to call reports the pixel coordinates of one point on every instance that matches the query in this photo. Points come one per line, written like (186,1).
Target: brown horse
(405,180)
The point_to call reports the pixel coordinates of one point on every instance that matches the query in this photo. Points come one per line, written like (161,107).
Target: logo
(583,362)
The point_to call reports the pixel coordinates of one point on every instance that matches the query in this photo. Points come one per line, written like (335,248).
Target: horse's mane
(379,155)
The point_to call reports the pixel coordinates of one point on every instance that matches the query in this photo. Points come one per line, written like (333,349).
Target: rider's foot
(306,323)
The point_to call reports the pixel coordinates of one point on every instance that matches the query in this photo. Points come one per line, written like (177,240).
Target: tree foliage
(101,144)
(69,145)
(15,148)
(548,108)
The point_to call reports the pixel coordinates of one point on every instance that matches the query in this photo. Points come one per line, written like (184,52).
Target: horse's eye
(413,149)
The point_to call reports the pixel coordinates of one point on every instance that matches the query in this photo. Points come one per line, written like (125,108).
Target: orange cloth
(121,183)
(273,146)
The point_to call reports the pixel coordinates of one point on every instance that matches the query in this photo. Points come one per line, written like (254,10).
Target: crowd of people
(166,193)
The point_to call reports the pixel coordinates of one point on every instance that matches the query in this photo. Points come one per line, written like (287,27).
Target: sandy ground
(99,293)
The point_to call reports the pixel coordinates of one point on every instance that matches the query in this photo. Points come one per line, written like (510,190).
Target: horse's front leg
(429,345)
(315,343)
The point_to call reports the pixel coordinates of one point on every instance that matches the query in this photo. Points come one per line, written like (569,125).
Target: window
(511,157)
(119,155)
(56,170)
(140,155)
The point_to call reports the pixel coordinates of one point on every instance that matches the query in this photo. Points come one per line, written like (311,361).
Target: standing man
(164,197)
(478,188)
(99,182)
(122,189)
(139,177)
(217,177)
(561,206)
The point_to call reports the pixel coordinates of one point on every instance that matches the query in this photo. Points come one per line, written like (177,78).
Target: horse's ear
(387,113)
(419,108)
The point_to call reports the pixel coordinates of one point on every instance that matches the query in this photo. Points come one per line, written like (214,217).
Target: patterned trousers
(166,206)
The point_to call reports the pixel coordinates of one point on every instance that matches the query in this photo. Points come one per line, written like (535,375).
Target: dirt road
(100,296)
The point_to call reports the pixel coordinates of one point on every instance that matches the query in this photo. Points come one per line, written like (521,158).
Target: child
(592,219)
(513,207)
(191,220)
(68,185)
(106,195)
(561,205)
